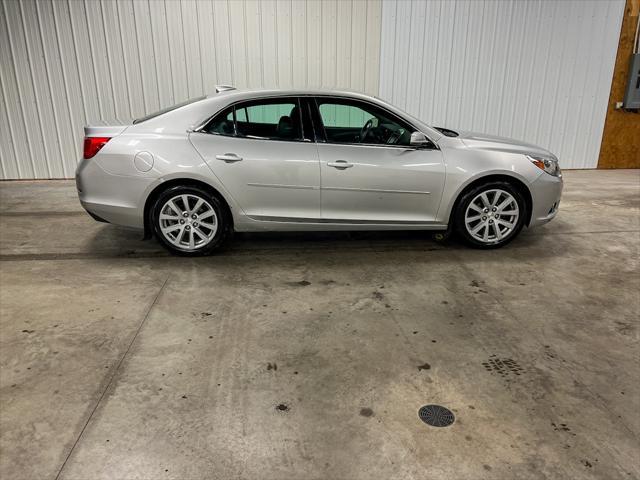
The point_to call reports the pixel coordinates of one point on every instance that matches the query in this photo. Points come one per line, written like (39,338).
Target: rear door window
(271,119)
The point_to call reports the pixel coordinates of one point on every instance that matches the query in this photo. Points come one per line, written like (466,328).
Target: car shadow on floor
(104,241)
(111,241)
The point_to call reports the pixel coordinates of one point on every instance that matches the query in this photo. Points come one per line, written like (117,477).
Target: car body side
(144,158)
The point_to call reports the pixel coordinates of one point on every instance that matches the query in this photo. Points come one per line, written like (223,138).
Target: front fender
(466,167)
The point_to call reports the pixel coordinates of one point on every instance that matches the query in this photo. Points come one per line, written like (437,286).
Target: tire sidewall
(470,195)
(224,223)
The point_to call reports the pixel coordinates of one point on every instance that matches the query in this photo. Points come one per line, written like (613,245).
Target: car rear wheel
(190,221)
(490,215)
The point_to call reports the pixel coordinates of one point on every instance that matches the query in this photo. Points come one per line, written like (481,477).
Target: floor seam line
(113,377)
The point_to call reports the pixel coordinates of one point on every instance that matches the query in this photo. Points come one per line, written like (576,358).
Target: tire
(205,229)
(484,221)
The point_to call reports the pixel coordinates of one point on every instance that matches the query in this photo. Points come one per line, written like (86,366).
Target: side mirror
(419,139)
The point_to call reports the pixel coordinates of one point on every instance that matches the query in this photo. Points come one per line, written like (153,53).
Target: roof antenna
(224,88)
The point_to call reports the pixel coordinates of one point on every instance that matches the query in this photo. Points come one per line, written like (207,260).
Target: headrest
(295,115)
(285,127)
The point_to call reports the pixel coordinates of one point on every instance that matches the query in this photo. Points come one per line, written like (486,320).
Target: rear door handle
(229,157)
(340,164)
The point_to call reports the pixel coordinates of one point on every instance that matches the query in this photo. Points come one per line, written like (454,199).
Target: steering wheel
(366,128)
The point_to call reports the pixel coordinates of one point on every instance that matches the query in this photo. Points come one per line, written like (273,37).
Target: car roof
(194,114)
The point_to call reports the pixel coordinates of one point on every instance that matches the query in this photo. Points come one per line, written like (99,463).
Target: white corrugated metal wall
(538,71)
(67,63)
(535,70)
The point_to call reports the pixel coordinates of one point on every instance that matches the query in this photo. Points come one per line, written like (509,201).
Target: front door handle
(340,164)
(229,157)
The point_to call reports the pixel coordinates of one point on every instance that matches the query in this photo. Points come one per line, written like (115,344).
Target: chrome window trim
(259,139)
(313,96)
(378,145)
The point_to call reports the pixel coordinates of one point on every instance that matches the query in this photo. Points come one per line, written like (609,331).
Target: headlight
(549,165)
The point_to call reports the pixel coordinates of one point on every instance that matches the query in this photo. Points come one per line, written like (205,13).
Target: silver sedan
(264,160)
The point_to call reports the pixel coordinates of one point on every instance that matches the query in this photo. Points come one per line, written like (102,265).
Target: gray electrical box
(632,94)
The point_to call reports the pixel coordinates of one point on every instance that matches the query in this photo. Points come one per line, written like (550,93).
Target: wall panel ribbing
(68,63)
(536,70)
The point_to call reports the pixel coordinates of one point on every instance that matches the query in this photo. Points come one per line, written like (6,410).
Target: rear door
(370,173)
(265,158)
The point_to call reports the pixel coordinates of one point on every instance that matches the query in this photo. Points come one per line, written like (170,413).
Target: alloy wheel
(188,221)
(491,216)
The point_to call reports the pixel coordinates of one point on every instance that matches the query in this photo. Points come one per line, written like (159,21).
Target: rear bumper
(111,198)
(118,215)
(546,191)
(94,216)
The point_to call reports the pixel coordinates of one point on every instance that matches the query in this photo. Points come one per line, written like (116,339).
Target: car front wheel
(490,215)
(190,221)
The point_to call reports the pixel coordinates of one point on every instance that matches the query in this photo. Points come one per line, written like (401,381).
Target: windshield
(416,121)
(166,110)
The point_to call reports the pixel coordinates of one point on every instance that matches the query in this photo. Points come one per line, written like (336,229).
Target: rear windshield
(166,110)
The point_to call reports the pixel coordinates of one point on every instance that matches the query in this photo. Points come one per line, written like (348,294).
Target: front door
(369,172)
(259,152)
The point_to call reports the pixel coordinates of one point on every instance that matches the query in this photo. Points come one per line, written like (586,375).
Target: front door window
(353,122)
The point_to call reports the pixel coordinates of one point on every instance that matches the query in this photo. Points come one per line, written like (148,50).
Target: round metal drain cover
(436,415)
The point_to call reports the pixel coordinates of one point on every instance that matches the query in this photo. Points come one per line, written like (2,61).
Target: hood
(481,141)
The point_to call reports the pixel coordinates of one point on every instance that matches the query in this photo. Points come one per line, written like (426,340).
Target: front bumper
(546,191)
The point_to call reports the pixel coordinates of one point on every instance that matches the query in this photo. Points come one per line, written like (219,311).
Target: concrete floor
(118,361)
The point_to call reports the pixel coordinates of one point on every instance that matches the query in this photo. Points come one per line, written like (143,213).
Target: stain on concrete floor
(534,345)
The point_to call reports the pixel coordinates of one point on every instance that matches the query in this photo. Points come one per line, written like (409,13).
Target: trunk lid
(104,130)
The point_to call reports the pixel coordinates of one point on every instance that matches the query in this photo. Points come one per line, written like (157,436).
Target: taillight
(92,145)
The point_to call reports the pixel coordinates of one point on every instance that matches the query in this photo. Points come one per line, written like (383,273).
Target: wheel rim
(188,221)
(491,216)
